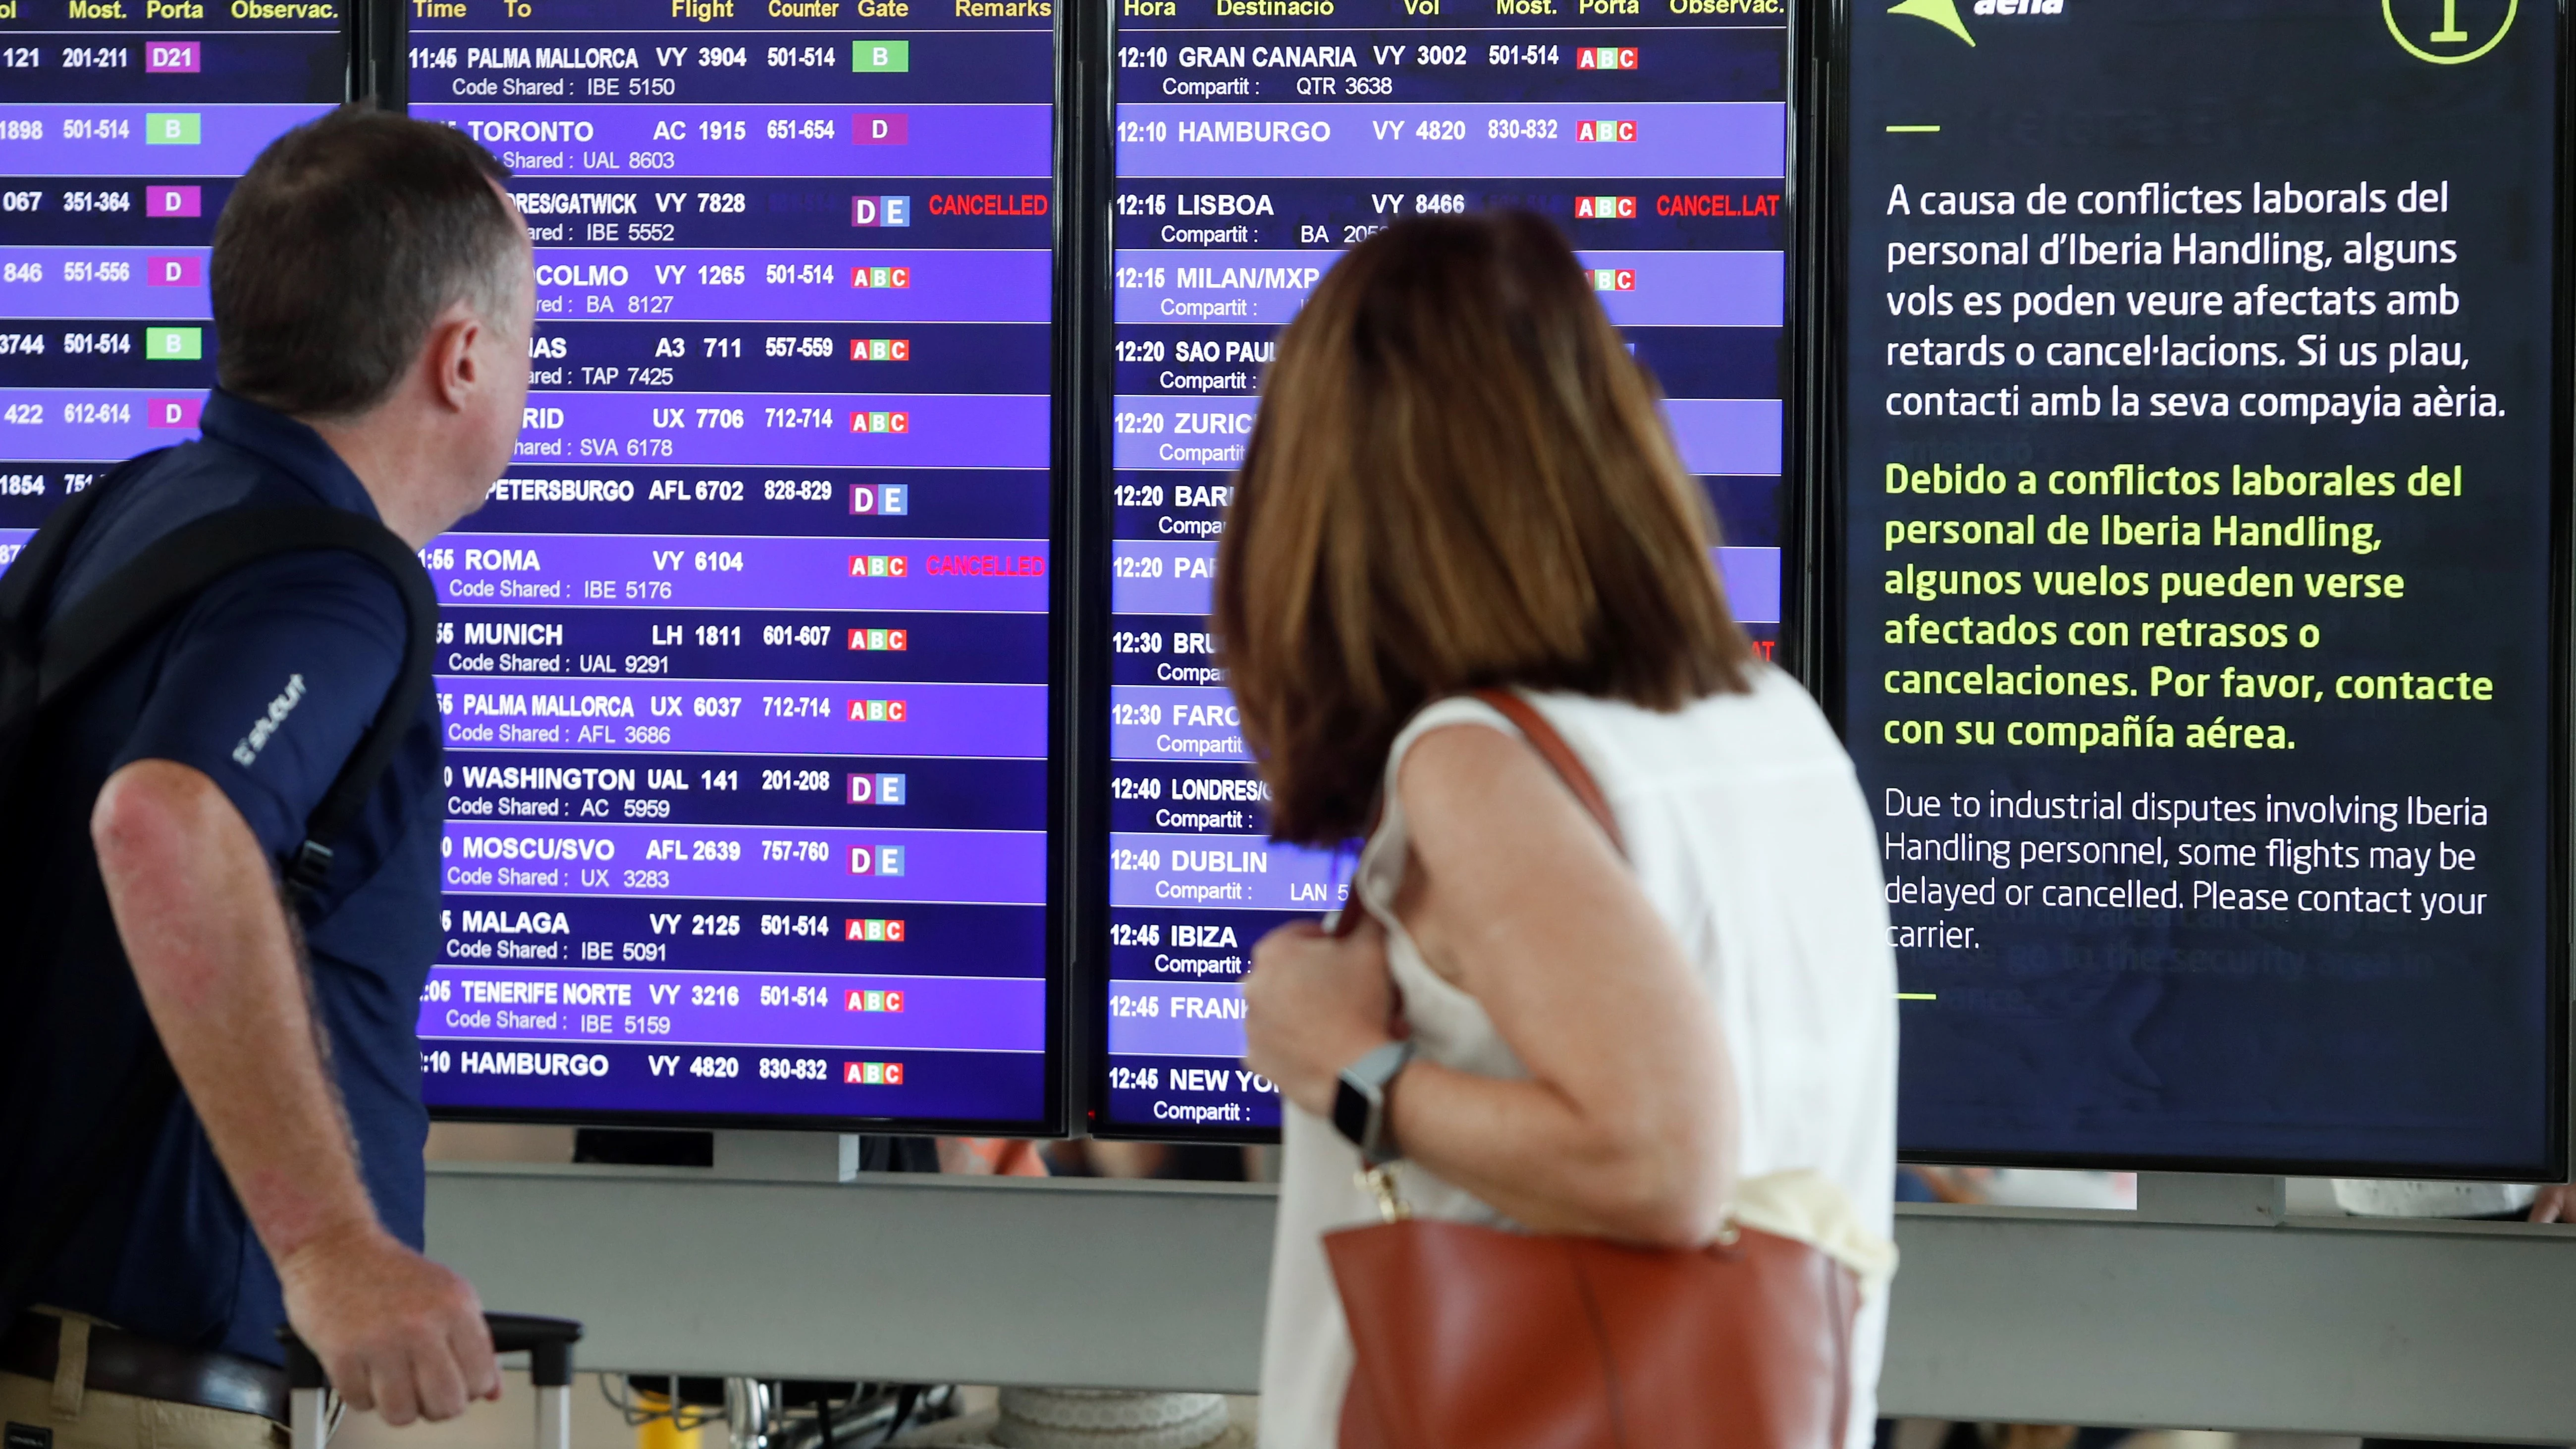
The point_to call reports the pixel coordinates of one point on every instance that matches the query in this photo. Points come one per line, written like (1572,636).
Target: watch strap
(1359,1099)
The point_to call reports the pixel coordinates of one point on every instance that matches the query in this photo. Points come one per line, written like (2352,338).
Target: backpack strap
(101,627)
(177,567)
(24,589)
(30,578)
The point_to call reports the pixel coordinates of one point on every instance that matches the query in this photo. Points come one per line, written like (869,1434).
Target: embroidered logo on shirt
(247,752)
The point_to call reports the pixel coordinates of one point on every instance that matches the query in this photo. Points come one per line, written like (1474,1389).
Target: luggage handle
(546,1341)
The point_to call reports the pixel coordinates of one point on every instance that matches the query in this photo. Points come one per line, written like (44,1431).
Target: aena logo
(1945,13)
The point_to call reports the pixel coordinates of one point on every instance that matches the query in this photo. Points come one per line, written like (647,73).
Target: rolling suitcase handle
(546,1341)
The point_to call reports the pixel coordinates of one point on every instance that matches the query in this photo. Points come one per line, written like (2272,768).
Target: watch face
(1350,1113)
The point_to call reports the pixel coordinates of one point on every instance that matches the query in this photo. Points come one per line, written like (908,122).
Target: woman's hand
(1313,1005)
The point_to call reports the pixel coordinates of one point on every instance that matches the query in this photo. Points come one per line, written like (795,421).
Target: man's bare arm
(201,922)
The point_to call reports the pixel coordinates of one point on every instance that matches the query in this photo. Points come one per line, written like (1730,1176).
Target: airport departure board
(123,124)
(1254,141)
(745,670)
(2203,523)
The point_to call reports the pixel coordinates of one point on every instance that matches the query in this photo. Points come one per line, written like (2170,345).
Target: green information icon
(2447,34)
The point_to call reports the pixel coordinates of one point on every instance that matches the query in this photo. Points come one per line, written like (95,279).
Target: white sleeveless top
(1746,828)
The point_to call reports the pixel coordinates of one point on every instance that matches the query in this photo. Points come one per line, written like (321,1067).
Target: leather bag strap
(1560,757)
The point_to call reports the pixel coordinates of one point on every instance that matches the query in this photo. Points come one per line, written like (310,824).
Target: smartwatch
(1359,1102)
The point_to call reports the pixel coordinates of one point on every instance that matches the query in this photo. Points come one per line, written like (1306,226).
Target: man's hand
(1313,1005)
(397,1333)
(2555,1204)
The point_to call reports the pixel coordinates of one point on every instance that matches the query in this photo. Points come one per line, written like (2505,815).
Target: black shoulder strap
(31,576)
(107,621)
(24,590)
(176,567)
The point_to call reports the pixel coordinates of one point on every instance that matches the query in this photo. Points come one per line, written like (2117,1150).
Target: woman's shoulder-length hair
(1458,478)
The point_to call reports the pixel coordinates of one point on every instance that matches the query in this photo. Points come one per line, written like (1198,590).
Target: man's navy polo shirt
(312,643)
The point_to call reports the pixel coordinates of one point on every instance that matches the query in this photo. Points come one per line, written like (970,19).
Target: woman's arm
(1626,1126)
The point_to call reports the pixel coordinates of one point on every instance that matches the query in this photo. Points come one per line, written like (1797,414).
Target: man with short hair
(373,293)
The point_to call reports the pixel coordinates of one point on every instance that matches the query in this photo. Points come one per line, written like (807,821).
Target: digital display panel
(1254,141)
(123,124)
(746,668)
(2204,417)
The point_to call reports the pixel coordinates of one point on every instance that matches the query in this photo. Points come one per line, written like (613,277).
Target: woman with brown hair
(1460,480)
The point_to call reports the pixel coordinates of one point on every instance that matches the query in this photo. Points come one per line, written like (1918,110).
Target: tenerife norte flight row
(2144,427)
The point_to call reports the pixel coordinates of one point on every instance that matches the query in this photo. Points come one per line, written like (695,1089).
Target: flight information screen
(2205,424)
(1257,139)
(745,669)
(123,124)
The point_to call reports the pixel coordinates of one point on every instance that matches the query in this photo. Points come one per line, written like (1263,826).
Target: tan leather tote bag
(1470,1337)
